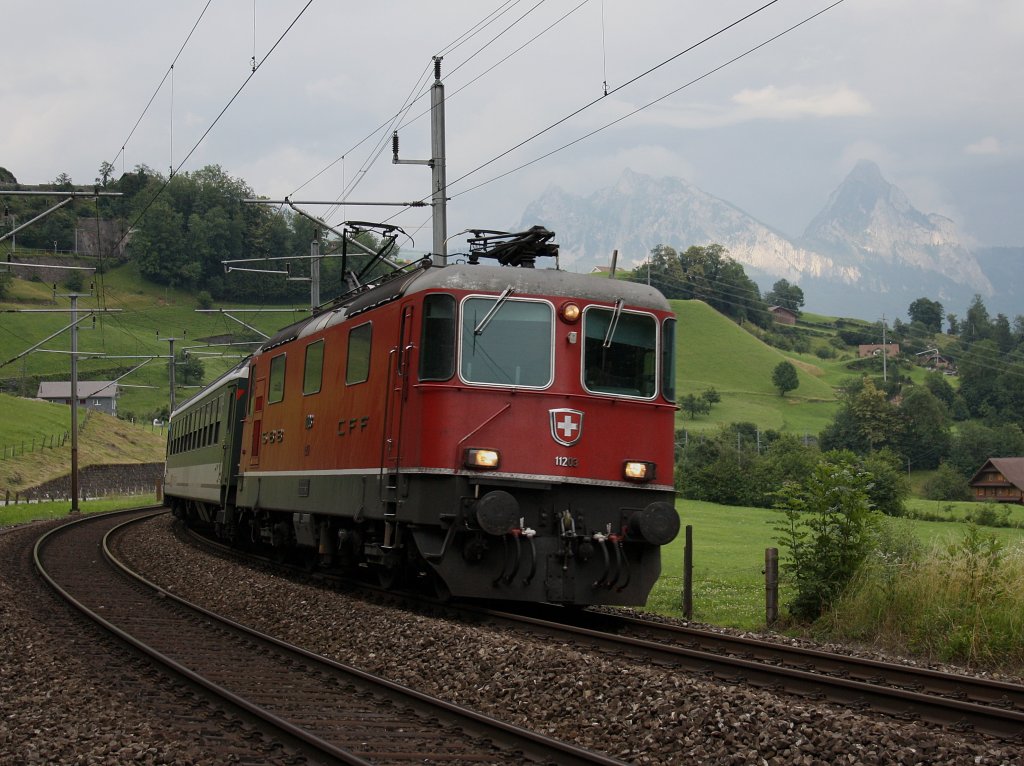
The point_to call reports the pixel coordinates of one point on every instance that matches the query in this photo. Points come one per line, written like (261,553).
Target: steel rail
(1003,722)
(536,745)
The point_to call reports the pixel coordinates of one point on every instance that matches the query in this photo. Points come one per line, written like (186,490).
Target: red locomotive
(505,432)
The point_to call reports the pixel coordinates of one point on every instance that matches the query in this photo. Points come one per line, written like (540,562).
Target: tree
(876,418)
(188,369)
(694,405)
(976,325)
(106,172)
(784,378)
(786,295)
(925,432)
(928,313)
(954,324)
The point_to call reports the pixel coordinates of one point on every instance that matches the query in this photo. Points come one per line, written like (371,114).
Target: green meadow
(728,560)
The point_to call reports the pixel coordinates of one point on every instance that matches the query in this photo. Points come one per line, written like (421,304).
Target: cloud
(987,145)
(795,102)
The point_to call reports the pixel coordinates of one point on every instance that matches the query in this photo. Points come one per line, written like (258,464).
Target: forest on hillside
(179,230)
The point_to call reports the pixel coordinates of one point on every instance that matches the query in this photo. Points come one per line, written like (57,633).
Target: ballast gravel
(638,713)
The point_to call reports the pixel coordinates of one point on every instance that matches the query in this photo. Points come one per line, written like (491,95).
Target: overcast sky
(929,89)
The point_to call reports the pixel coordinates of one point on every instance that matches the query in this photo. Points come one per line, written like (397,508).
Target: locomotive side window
(507,343)
(357,366)
(668,360)
(275,391)
(312,376)
(437,344)
(620,353)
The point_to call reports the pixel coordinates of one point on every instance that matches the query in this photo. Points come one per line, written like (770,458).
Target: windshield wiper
(478,330)
(616,313)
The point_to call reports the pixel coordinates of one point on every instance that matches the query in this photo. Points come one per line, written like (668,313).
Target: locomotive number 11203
(563,461)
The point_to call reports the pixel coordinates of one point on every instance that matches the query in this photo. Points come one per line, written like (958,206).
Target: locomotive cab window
(668,360)
(357,366)
(507,343)
(312,376)
(437,344)
(620,352)
(275,391)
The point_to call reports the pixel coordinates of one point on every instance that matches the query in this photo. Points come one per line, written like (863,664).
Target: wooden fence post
(771,585)
(688,574)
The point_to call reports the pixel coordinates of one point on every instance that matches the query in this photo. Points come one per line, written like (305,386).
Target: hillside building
(95,394)
(891,350)
(1000,480)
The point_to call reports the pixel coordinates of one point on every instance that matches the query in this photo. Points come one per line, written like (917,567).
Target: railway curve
(342,714)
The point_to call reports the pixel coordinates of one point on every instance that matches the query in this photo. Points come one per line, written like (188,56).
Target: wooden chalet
(1000,480)
(782,315)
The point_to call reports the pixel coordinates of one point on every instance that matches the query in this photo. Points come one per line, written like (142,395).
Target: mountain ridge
(866,249)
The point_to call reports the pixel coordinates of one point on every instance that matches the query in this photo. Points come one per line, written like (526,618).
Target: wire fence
(41,442)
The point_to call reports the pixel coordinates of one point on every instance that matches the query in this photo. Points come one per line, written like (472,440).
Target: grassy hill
(146,313)
(714,352)
(27,424)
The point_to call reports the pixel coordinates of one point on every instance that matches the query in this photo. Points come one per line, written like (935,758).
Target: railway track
(338,713)
(961,702)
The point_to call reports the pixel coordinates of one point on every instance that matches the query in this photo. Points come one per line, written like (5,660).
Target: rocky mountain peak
(869,220)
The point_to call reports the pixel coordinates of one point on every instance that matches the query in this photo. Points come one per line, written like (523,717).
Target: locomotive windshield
(513,348)
(619,353)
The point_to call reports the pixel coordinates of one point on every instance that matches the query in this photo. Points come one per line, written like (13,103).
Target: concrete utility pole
(314,270)
(439,194)
(170,367)
(74,402)
(885,354)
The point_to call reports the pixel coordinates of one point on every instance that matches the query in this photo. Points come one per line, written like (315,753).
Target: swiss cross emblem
(566,426)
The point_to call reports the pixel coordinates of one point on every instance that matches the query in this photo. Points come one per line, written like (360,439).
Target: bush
(74,281)
(946,484)
(829,531)
(990,515)
(203,299)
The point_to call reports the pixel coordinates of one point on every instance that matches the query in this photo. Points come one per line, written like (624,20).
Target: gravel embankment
(61,703)
(636,712)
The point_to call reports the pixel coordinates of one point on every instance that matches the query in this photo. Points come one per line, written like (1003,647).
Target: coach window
(507,343)
(275,390)
(312,375)
(619,352)
(357,366)
(437,344)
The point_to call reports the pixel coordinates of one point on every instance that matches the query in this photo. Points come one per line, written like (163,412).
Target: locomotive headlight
(638,470)
(482,458)
(570,312)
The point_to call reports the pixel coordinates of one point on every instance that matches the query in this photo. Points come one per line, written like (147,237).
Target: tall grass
(958,601)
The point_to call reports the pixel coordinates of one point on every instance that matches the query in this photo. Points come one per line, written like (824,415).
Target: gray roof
(87,389)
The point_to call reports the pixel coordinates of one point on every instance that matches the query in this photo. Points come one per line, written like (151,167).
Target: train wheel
(390,577)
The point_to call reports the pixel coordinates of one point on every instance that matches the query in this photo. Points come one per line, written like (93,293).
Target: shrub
(829,531)
(946,484)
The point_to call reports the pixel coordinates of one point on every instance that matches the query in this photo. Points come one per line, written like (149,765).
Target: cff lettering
(352,425)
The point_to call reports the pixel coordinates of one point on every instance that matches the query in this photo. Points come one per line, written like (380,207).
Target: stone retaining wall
(101,480)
